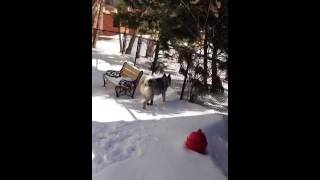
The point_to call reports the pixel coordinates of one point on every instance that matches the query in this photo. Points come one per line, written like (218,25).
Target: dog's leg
(144,104)
(164,96)
(152,99)
(148,100)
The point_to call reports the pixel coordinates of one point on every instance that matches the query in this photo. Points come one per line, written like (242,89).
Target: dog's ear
(164,75)
(169,76)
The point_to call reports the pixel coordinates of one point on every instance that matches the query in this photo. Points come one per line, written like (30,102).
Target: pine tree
(194,25)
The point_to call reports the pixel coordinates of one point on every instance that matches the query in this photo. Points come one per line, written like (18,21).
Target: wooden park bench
(126,80)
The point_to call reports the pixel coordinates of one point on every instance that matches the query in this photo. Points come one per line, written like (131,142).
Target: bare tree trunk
(216,85)
(226,78)
(96,33)
(150,48)
(138,49)
(133,38)
(153,68)
(124,39)
(94,12)
(191,97)
(185,77)
(205,58)
(148,44)
(119,31)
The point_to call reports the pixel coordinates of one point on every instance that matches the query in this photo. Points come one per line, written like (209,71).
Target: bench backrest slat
(129,71)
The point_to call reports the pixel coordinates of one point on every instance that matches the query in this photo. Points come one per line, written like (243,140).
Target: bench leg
(104,80)
(124,91)
(117,93)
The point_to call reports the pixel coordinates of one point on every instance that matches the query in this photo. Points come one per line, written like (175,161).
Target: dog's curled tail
(146,81)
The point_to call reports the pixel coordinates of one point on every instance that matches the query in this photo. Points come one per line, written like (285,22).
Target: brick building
(107,24)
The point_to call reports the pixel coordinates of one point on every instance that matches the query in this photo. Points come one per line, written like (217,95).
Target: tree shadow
(217,137)
(176,84)
(170,107)
(108,58)
(215,106)
(218,108)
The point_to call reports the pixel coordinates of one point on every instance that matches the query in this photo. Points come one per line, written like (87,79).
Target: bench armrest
(112,73)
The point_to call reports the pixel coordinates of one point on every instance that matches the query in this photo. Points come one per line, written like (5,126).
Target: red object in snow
(197,141)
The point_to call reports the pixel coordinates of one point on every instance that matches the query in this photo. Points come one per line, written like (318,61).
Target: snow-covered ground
(136,144)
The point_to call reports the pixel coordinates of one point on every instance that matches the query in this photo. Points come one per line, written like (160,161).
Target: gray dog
(154,86)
